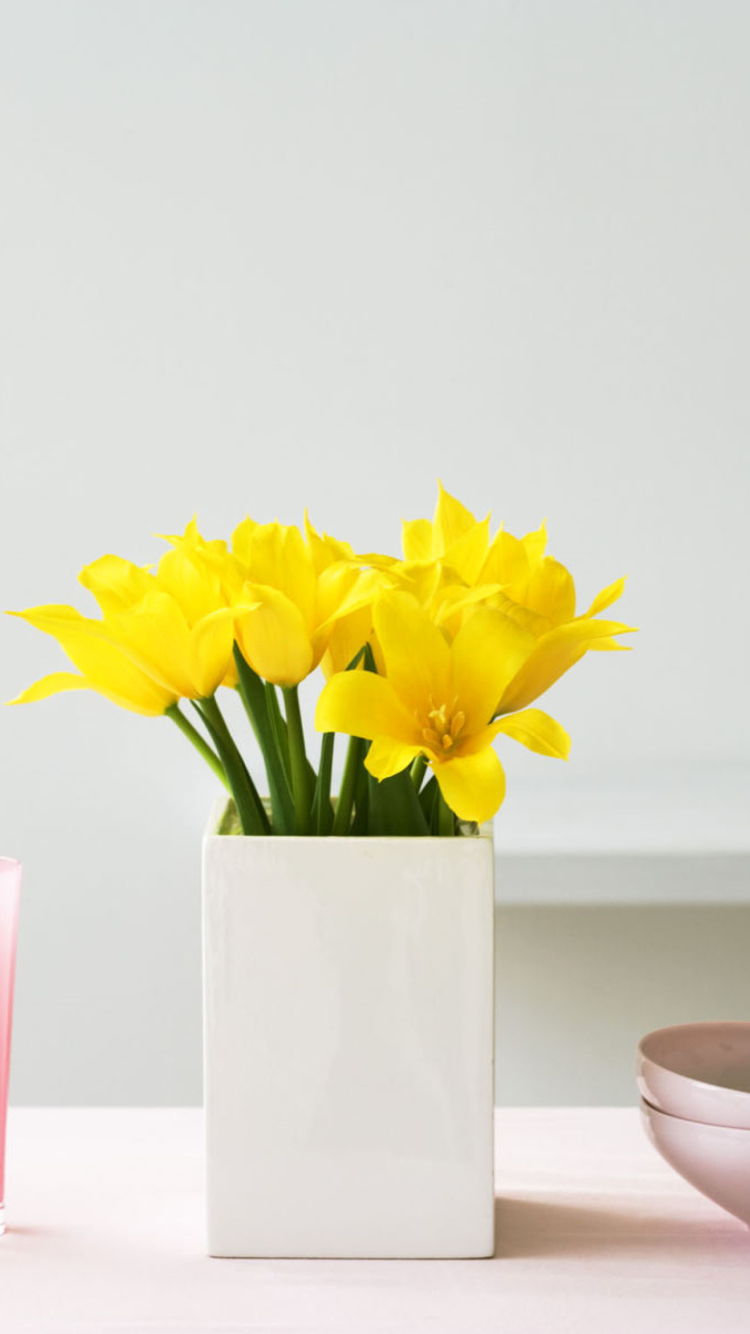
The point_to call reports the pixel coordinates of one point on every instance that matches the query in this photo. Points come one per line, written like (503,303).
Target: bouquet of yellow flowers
(427,658)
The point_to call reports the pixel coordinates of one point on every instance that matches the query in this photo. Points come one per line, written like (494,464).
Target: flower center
(444,726)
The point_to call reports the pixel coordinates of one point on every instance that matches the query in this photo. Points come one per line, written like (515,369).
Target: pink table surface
(595,1233)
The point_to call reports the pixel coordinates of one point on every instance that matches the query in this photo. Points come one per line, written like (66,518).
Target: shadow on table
(526,1228)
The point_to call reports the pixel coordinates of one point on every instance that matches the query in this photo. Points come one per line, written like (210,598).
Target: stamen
(446,727)
(439,719)
(457,723)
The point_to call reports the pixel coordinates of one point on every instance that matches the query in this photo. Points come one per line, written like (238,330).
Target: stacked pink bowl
(694,1082)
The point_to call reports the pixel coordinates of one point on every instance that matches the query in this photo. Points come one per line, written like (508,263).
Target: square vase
(348,1045)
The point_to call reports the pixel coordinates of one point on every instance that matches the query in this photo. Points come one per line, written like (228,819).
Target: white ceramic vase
(348,1030)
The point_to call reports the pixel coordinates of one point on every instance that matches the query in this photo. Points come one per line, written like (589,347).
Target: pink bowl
(699,1072)
(714,1159)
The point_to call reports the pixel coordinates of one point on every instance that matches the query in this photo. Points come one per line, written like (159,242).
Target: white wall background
(256,256)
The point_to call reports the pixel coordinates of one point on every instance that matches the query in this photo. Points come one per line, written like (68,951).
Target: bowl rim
(741,1095)
(648,1109)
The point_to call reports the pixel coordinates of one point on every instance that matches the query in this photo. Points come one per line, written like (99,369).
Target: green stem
(301,786)
(354,757)
(201,745)
(322,812)
(281,732)
(255,700)
(279,727)
(446,818)
(355,778)
(418,771)
(253,818)
(361,820)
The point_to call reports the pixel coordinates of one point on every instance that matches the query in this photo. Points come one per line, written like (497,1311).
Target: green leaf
(446,820)
(395,809)
(253,818)
(352,780)
(302,788)
(360,822)
(355,754)
(278,727)
(255,700)
(322,810)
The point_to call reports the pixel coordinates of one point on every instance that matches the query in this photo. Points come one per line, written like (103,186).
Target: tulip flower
(428,659)
(105,665)
(286,594)
(438,701)
(160,639)
(454,537)
(300,589)
(451,565)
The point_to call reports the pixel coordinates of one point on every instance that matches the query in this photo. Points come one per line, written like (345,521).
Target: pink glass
(10,890)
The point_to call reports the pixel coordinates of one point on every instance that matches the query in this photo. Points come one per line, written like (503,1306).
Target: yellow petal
(216,579)
(376,559)
(537,731)
(455,602)
(470,745)
(337,592)
(192,583)
(550,591)
(607,596)
(487,652)
(51,685)
(417,539)
(107,665)
(116,583)
(506,561)
(325,550)
(343,589)
(387,757)
(608,645)
(423,580)
(242,540)
(318,548)
(278,557)
(365,705)
(211,643)
(155,636)
(452,520)
(472,785)
(274,637)
(467,554)
(346,637)
(417,657)
(553,655)
(528,620)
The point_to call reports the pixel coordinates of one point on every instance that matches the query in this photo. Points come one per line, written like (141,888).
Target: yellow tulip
(299,589)
(160,638)
(438,700)
(542,603)
(454,537)
(451,565)
(347,613)
(103,666)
